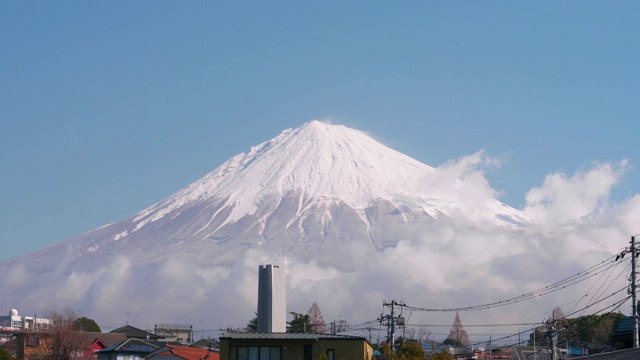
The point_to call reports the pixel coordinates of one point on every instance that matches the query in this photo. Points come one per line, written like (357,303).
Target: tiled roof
(134,332)
(131,346)
(288,336)
(184,352)
(107,338)
(203,343)
(625,326)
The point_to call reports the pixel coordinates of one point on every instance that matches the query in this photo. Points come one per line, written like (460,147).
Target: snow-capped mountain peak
(319,160)
(325,164)
(314,188)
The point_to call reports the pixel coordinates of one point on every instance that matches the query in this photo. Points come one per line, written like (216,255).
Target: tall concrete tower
(272,312)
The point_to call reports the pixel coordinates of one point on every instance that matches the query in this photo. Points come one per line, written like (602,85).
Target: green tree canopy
(301,323)
(86,325)
(252,325)
(5,355)
(452,342)
(386,353)
(444,355)
(411,351)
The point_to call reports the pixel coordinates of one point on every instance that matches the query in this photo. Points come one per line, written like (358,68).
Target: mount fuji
(309,191)
(338,207)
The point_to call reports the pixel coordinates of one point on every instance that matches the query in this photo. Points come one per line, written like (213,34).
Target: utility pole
(552,334)
(390,321)
(392,332)
(633,292)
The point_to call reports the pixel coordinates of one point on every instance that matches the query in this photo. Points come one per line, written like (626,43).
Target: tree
(87,325)
(594,329)
(452,342)
(444,355)
(252,325)
(5,355)
(411,351)
(300,324)
(423,335)
(420,334)
(62,339)
(322,356)
(386,353)
(457,332)
(317,321)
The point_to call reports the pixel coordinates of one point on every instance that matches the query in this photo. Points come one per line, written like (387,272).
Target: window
(307,352)
(331,354)
(253,353)
(259,353)
(33,341)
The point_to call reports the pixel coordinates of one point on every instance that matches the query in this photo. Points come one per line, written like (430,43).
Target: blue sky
(109,107)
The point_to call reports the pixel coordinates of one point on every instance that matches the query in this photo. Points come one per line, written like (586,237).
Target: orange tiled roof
(189,353)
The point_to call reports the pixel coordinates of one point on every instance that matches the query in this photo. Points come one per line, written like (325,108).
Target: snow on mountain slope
(313,189)
(327,164)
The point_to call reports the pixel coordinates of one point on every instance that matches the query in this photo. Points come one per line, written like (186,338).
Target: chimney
(272,314)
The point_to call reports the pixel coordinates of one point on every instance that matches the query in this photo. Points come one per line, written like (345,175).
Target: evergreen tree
(85,324)
(452,342)
(300,324)
(252,325)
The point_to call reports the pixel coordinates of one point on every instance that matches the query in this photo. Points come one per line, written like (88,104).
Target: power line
(562,284)
(615,307)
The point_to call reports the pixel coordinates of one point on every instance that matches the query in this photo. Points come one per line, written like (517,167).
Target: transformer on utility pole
(391,321)
(632,286)
(633,291)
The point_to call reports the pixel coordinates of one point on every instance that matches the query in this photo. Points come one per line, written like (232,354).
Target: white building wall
(28,323)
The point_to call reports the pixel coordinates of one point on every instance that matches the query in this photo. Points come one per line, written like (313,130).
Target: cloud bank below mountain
(452,262)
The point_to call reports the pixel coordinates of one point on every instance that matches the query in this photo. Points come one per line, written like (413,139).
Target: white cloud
(446,264)
(563,199)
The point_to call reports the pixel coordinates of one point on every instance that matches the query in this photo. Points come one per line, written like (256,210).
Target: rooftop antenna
(126,312)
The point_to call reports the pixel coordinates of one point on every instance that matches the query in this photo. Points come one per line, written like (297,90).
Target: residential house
(530,353)
(30,344)
(206,344)
(179,352)
(627,354)
(135,333)
(130,349)
(95,341)
(293,346)
(174,333)
(623,334)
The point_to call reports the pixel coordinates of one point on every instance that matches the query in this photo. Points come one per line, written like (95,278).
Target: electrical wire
(560,285)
